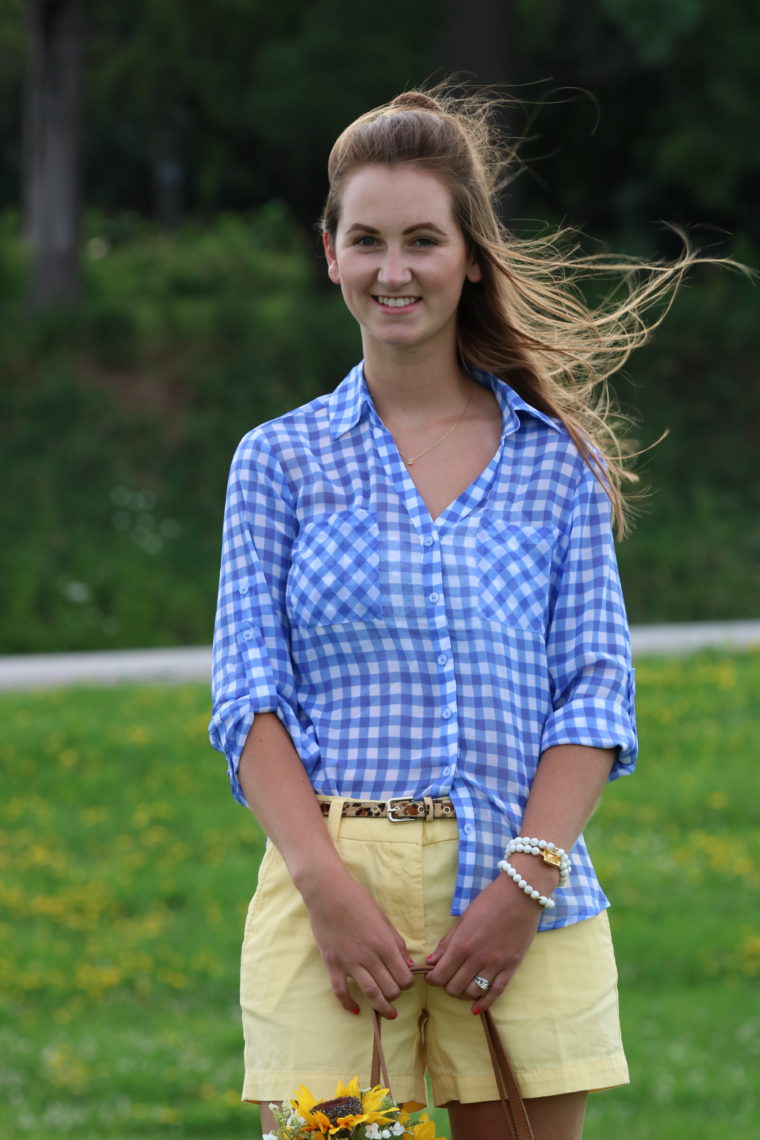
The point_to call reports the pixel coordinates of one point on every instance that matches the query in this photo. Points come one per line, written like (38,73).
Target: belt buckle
(399,818)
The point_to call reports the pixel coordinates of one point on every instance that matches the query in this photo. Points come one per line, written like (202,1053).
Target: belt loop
(429,807)
(333,819)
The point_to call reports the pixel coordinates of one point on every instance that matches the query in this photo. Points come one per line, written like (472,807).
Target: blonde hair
(526,321)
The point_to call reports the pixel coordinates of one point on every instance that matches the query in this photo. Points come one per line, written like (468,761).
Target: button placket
(448,736)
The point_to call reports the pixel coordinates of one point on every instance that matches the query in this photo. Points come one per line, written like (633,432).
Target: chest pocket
(335,572)
(514,567)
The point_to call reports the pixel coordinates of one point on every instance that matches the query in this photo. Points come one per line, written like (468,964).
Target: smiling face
(400,257)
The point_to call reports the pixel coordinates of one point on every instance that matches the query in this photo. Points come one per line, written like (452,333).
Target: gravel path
(52,670)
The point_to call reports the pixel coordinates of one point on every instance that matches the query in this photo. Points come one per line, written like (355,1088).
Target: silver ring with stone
(482,983)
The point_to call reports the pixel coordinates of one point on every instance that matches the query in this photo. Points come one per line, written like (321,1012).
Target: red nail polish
(356,1011)
(477,1011)
(410,961)
(430,957)
(394,1015)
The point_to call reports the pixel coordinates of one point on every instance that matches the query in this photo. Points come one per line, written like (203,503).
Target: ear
(333,271)
(473,272)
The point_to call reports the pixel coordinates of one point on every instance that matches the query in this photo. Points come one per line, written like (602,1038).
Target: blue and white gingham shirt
(411,657)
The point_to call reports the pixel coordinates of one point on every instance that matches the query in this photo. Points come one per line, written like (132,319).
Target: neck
(420,386)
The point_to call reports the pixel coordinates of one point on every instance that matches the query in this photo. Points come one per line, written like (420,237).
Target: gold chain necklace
(410,460)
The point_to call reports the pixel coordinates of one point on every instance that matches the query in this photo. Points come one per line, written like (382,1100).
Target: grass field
(125,871)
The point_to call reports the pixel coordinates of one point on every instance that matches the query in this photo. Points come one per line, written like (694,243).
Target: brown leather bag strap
(506,1082)
(379,1067)
(509,1090)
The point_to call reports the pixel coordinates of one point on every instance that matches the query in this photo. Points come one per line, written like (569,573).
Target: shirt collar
(512,405)
(351,399)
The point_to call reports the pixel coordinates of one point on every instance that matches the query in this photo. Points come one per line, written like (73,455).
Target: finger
(400,966)
(475,991)
(374,994)
(453,960)
(389,968)
(339,983)
(392,977)
(403,977)
(448,963)
(461,985)
(485,1000)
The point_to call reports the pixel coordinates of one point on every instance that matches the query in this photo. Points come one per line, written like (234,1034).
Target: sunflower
(348,1108)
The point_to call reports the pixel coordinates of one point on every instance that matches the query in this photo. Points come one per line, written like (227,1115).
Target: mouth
(395,303)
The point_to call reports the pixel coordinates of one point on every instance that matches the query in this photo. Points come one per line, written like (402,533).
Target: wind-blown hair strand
(527,320)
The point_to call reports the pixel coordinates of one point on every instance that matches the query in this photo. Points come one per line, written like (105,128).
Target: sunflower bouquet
(350,1115)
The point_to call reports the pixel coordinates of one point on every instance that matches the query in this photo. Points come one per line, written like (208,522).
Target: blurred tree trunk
(477,42)
(55,36)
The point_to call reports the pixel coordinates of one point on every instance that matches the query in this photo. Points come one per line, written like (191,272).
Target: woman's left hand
(489,940)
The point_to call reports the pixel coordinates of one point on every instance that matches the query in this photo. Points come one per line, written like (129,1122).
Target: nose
(394,270)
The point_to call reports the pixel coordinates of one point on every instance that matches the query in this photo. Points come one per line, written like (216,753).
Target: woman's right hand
(352,932)
(357,941)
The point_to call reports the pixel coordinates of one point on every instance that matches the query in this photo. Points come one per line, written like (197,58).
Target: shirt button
(446,714)
(243,588)
(468,829)
(429,541)
(247,634)
(434,596)
(446,771)
(442,658)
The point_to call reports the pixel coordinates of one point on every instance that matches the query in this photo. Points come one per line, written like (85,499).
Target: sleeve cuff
(228,733)
(595,724)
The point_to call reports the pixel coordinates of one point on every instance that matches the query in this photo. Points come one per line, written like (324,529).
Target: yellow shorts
(558,1017)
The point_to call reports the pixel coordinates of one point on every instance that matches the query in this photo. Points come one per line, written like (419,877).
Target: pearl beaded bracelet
(519,881)
(549,852)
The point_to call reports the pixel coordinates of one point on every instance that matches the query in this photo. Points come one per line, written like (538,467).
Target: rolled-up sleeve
(588,642)
(251,665)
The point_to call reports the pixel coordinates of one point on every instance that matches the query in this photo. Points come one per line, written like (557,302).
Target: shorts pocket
(335,571)
(514,568)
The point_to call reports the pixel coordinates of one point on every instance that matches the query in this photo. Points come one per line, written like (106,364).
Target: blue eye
(365,241)
(424,241)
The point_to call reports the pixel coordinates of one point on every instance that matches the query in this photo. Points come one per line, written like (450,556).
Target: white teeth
(396,302)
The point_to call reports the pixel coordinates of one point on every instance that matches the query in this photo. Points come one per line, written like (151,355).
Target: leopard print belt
(400,809)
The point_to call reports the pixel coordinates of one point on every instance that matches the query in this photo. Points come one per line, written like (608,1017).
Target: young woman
(421,650)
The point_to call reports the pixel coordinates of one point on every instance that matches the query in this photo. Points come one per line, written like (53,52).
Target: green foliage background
(118,418)
(123,416)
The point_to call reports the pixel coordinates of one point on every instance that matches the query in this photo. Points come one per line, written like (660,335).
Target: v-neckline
(407,489)
(459,506)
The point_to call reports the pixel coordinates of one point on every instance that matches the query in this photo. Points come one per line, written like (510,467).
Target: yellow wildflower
(424,1129)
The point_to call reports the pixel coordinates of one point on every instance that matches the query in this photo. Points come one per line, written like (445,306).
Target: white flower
(269,1136)
(398,1129)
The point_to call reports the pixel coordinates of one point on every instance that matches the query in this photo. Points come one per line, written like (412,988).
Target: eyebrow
(409,229)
